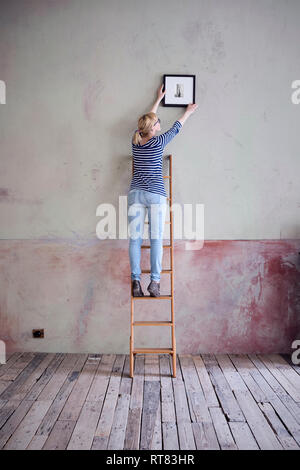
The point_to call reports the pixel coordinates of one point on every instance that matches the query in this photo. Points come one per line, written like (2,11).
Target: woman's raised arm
(189,110)
(160,95)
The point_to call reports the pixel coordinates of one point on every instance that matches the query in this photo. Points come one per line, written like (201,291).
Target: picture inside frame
(180,90)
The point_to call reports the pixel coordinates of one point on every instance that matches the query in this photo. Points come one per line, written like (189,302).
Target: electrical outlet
(38,333)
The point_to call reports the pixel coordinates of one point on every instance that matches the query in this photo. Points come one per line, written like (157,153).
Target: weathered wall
(78,76)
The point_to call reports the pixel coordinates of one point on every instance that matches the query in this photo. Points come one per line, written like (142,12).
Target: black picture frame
(179,101)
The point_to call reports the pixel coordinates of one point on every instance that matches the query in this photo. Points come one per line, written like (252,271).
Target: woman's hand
(191,108)
(160,93)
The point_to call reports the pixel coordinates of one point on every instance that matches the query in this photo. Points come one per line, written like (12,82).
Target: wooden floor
(81,401)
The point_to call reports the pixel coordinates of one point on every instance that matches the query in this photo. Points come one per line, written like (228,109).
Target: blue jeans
(138,202)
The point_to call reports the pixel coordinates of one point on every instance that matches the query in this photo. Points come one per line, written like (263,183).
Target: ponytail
(137,137)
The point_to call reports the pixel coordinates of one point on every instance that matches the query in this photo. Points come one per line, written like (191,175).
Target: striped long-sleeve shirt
(147,162)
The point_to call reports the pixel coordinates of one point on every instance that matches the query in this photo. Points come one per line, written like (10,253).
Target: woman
(147,193)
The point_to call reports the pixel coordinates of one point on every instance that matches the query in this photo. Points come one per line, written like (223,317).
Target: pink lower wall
(230,296)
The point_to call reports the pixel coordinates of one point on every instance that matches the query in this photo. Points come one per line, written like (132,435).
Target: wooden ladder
(171,323)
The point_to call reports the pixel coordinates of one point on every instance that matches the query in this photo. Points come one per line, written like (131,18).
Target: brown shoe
(136,289)
(154,289)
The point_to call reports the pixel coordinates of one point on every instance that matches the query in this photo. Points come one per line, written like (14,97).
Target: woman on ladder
(147,193)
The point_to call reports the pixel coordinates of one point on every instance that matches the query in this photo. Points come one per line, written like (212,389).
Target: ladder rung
(149,323)
(166,176)
(148,246)
(153,350)
(163,271)
(150,297)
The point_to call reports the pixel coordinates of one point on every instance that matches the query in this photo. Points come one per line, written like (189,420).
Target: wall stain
(85,311)
(204,39)
(90,97)
(8,196)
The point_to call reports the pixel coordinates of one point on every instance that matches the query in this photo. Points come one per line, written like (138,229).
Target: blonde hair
(145,124)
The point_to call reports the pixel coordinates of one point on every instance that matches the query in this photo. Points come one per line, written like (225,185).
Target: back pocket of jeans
(131,197)
(154,198)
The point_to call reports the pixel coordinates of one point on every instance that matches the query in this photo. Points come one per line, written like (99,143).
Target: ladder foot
(131,366)
(174,365)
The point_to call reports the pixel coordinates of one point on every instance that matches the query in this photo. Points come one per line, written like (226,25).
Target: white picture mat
(188,88)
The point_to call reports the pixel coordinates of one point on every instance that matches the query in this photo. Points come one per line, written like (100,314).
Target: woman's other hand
(191,108)
(160,93)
